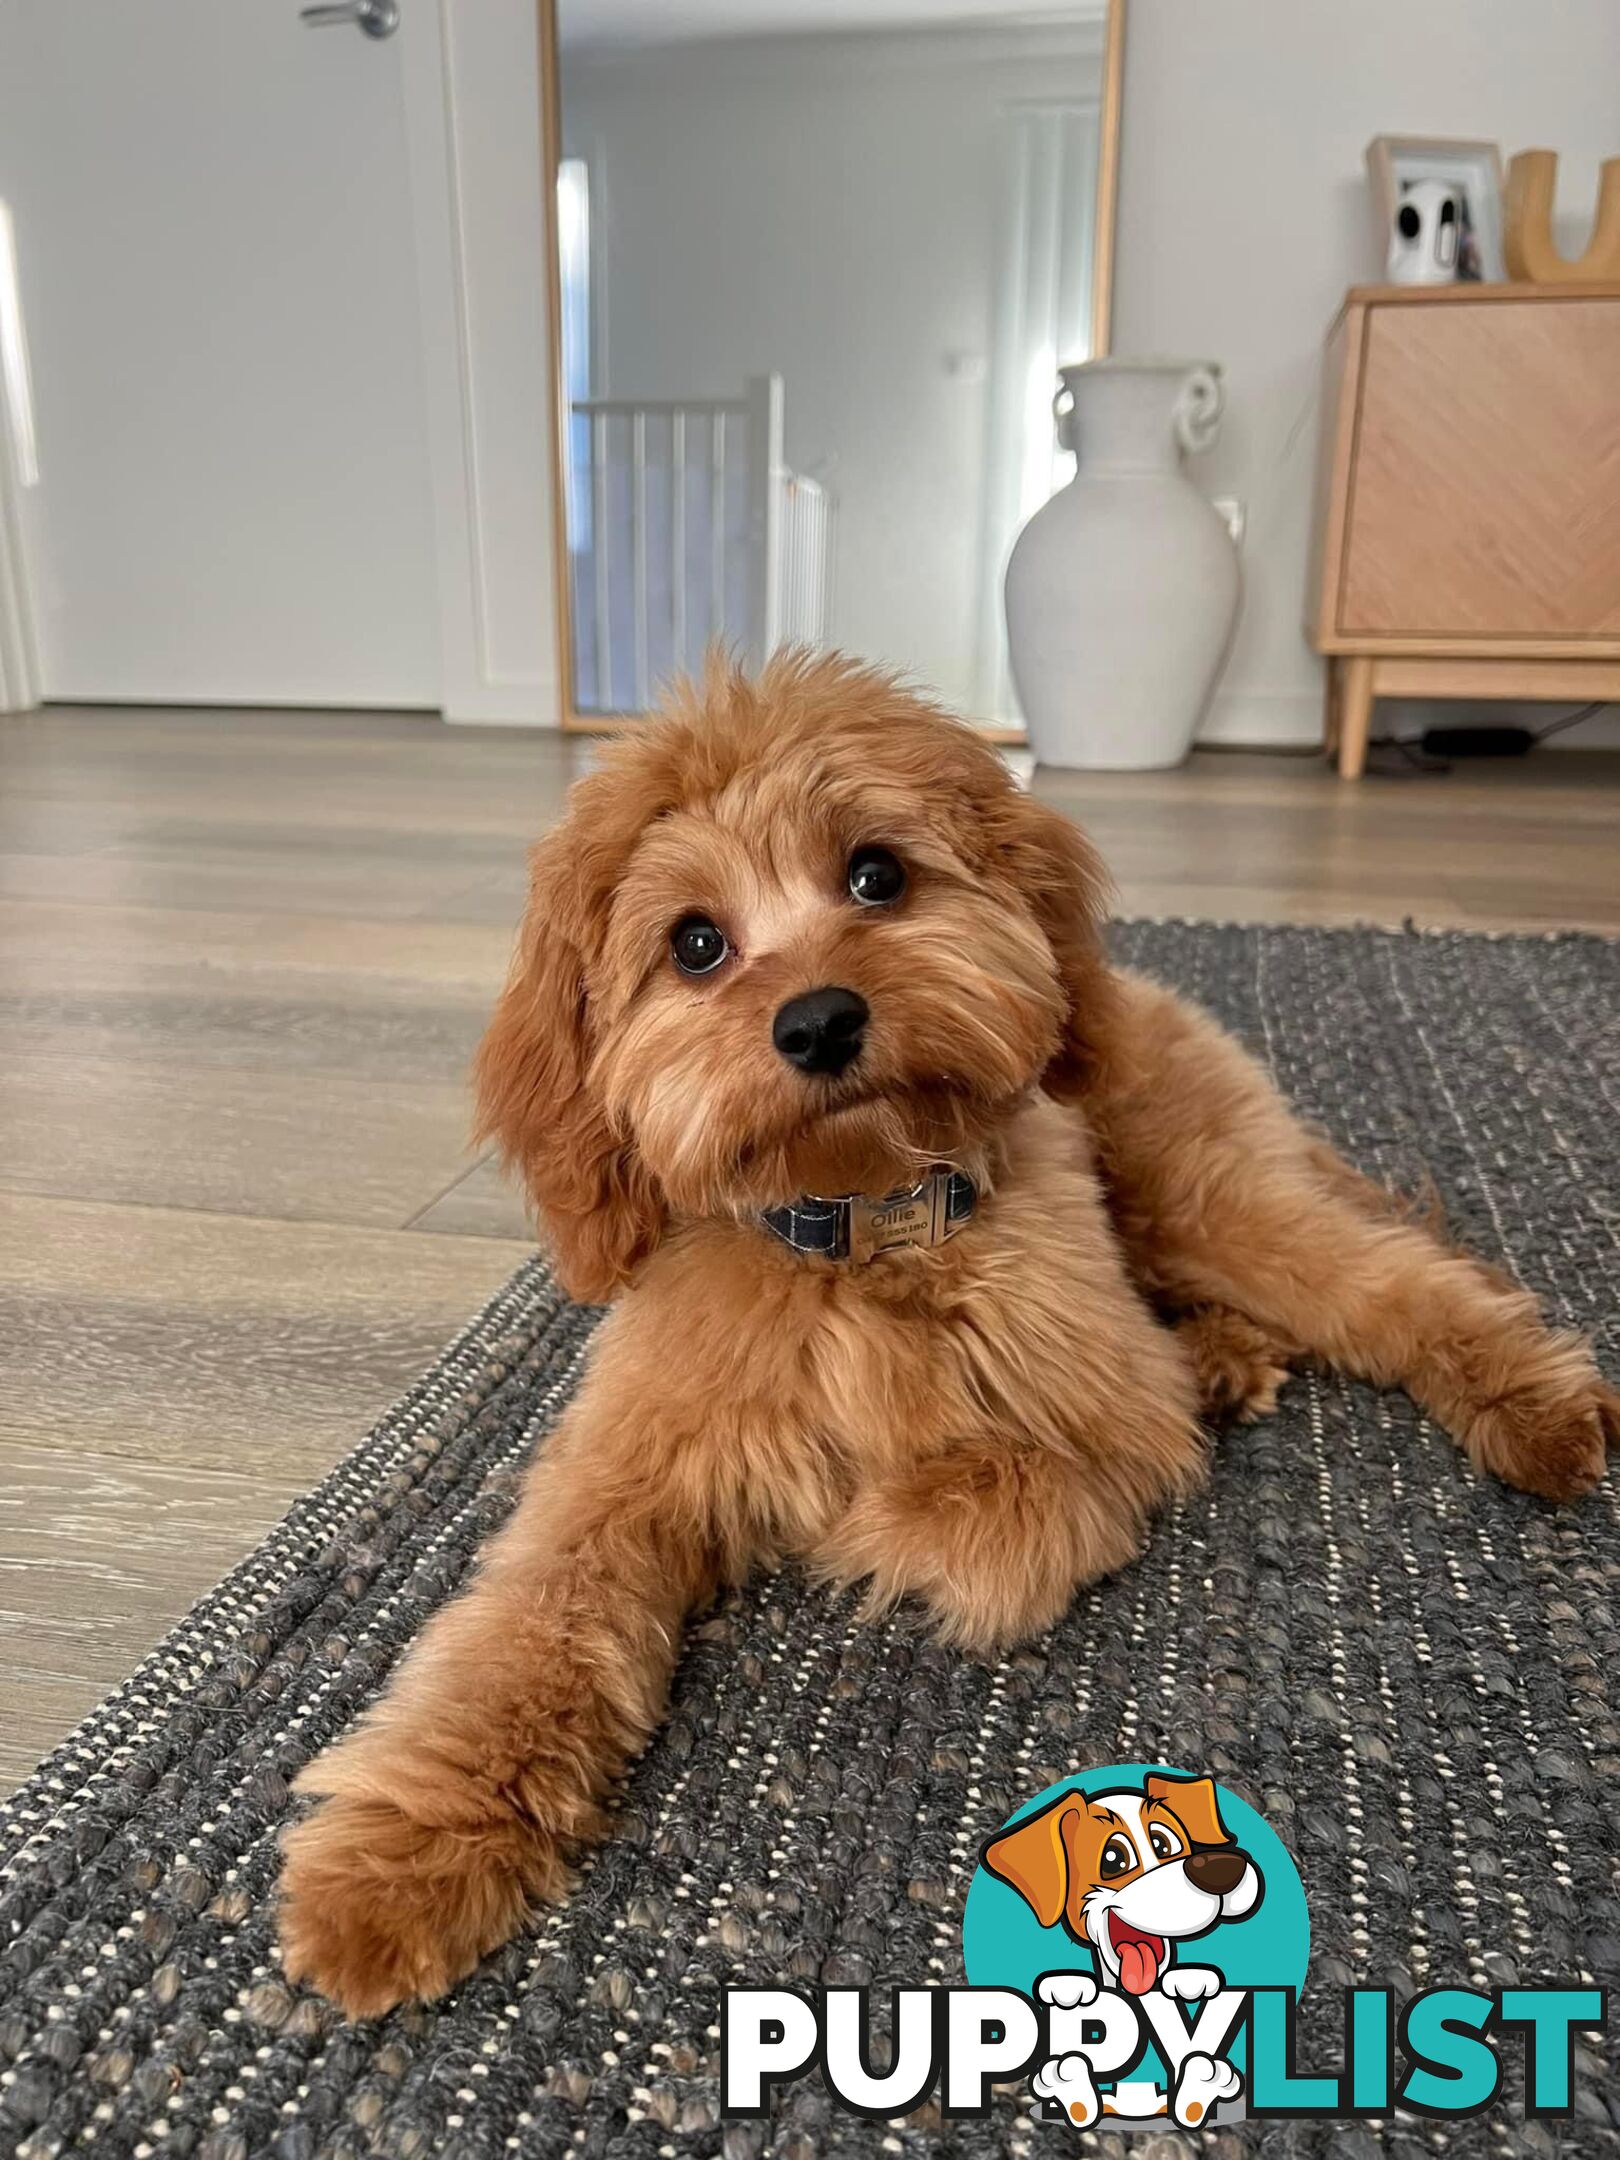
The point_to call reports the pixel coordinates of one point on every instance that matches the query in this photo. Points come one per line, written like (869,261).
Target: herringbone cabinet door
(1486,479)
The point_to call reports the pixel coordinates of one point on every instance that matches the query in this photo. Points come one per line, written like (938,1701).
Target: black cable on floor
(1425,761)
(1581,712)
(1413,752)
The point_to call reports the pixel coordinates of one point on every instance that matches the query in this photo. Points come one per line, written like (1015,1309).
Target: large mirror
(816,267)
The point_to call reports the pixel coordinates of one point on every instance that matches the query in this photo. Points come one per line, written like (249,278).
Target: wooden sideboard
(1468,513)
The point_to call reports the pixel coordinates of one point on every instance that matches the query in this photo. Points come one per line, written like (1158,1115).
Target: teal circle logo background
(1004,1945)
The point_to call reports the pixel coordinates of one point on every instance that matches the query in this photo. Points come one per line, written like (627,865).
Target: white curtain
(1042,322)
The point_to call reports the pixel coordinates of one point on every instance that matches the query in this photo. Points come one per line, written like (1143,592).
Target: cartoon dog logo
(1131,1875)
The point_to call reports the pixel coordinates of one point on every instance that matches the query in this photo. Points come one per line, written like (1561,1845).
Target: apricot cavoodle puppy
(930,1238)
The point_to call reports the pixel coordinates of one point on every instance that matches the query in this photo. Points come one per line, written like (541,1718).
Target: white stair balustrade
(688,530)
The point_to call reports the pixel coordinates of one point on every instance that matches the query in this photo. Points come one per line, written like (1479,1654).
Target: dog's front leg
(993,1525)
(994,1532)
(992,1536)
(466,1795)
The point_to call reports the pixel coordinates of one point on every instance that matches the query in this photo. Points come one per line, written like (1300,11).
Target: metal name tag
(909,1217)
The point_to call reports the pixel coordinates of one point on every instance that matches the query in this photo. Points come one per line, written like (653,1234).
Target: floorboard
(227,1342)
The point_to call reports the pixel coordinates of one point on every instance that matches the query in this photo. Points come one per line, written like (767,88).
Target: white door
(212,214)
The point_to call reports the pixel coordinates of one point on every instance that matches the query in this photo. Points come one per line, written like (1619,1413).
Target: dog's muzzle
(859,1226)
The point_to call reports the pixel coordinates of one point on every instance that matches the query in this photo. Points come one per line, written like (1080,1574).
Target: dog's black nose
(821,1031)
(1217,1871)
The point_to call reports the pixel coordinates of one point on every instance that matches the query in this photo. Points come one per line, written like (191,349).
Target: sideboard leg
(1355,716)
(1330,703)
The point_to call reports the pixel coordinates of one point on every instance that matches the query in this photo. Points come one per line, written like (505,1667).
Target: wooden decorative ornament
(1532,254)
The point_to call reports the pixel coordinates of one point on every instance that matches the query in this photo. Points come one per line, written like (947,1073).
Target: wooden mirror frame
(1102,299)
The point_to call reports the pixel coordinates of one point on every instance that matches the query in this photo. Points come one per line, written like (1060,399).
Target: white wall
(1243,217)
(827,208)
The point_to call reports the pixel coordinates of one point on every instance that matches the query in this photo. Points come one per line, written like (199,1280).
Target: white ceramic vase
(1123,589)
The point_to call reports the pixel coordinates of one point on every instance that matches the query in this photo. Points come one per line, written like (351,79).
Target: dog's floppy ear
(1193,1802)
(1063,879)
(600,1209)
(1034,1859)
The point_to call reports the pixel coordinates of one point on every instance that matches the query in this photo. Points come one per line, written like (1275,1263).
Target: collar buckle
(859,1226)
(914,1217)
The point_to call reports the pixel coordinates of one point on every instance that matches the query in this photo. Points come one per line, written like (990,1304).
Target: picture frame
(1395,162)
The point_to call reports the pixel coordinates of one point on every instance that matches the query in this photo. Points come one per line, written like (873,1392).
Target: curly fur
(981,1427)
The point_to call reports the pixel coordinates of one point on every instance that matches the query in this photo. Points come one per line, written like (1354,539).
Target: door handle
(377,18)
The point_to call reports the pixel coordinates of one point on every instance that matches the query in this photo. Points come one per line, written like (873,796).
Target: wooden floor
(243,961)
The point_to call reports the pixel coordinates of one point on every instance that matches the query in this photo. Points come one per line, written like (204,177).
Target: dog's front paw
(1203,2083)
(379,1909)
(1067,1990)
(1192,1983)
(1069,2087)
(1551,1435)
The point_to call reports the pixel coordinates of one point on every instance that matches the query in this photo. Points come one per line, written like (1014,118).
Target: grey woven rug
(1409,1670)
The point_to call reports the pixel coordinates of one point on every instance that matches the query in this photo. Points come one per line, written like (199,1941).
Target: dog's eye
(876,876)
(698,945)
(1163,1842)
(1118,1858)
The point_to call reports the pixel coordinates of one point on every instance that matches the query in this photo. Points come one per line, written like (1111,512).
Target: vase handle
(1063,414)
(1199,408)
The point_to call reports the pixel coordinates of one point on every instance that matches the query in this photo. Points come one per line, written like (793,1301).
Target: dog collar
(858,1226)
